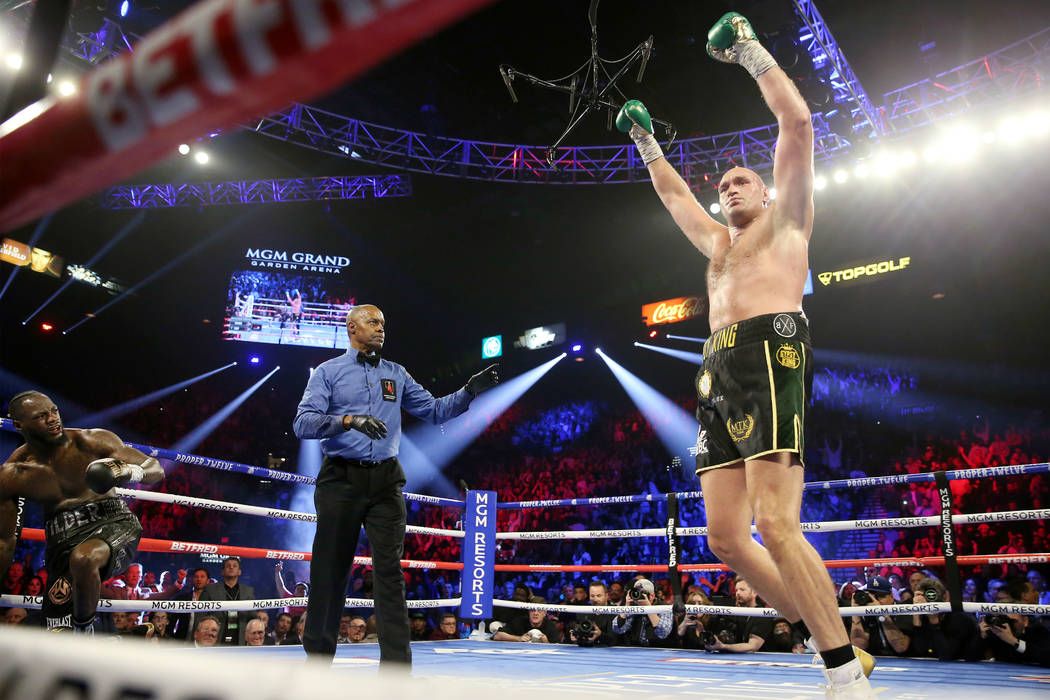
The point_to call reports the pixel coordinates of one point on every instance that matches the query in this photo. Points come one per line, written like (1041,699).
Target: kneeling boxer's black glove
(104,474)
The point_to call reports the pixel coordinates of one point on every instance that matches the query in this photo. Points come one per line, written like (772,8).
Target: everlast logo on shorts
(60,591)
(740,429)
(722,339)
(788,356)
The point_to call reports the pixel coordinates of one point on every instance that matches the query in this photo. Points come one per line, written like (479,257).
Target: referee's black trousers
(348,495)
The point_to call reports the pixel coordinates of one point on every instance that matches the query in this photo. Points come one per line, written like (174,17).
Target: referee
(353,404)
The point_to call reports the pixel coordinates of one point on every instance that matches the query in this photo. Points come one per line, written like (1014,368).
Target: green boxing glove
(633,112)
(732,40)
(634,120)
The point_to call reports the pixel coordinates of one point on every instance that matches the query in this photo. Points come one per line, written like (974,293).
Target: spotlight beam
(37,233)
(691,357)
(125,230)
(685,337)
(675,428)
(299,535)
(174,262)
(420,468)
(196,436)
(106,416)
(432,448)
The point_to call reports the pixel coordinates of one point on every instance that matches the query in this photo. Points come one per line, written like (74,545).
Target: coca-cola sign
(673,310)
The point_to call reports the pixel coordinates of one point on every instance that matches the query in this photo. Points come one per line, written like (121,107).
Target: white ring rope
(859,611)
(34,602)
(38,665)
(244,509)
(109,605)
(829,526)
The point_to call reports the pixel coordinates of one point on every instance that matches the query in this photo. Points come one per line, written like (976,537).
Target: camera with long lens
(637,593)
(584,630)
(862,597)
(707,638)
(727,636)
(931,595)
(997,620)
(727,629)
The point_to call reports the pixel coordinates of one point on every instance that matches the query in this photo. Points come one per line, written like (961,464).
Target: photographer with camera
(643,630)
(738,634)
(535,627)
(503,616)
(692,626)
(593,629)
(885,635)
(945,636)
(1012,638)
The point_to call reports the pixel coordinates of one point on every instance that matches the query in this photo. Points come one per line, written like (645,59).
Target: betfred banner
(673,310)
(479,555)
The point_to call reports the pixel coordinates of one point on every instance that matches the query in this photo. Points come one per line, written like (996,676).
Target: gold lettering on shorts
(788,356)
(740,429)
(722,339)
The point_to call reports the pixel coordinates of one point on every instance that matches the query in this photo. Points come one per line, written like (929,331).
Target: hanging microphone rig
(590,87)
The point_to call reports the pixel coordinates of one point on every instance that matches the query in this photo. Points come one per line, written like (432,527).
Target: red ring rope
(147,544)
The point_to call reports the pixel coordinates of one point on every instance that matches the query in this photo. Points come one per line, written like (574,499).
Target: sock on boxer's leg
(839,656)
(84,626)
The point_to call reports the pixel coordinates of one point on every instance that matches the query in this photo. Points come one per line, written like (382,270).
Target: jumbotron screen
(287,308)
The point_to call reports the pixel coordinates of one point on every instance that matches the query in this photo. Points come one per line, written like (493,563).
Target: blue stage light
(124,8)
(427,449)
(196,436)
(694,357)
(577,347)
(107,417)
(675,428)
(255,359)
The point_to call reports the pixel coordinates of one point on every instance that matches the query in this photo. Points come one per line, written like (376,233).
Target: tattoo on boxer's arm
(858,635)
(897,639)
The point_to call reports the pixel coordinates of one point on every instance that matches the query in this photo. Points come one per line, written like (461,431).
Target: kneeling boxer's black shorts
(107,519)
(752,390)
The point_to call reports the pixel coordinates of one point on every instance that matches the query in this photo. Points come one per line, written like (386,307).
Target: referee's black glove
(369,425)
(483,380)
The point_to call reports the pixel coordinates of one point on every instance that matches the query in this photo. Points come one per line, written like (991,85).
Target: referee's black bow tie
(372,359)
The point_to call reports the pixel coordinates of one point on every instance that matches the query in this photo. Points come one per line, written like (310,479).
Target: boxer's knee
(86,559)
(778,530)
(727,546)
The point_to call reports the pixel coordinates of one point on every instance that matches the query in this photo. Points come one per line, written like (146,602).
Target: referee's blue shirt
(345,385)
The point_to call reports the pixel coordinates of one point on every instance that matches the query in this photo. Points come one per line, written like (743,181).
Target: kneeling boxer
(91,535)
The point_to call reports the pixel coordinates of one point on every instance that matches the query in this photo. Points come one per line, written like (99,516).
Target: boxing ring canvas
(668,673)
